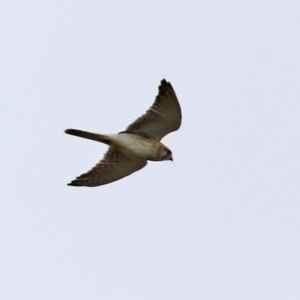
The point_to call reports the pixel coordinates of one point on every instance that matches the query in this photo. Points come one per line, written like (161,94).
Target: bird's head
(166,154)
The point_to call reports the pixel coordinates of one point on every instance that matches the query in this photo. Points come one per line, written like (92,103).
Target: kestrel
(130,150)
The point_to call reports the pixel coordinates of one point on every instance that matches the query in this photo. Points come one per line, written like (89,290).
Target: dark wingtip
(77,182)
(164,82)
(72,183)
(165,86)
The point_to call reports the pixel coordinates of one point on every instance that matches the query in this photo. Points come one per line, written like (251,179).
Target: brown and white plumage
(130,149)
(163,117)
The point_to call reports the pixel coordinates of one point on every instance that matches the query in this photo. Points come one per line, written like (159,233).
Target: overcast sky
(221,221)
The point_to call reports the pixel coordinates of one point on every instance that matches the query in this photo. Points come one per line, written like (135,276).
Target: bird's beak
(171,158)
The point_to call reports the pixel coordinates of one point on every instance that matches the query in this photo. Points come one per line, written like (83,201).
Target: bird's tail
(89,135)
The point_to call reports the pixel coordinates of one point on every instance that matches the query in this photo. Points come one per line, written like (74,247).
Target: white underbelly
(132,144)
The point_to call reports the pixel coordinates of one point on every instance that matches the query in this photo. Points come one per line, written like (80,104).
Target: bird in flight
(130,150)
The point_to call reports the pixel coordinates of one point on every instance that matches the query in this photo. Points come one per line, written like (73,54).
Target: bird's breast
(132,144)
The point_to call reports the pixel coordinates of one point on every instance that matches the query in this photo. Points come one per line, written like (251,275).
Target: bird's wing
(162,117)
(114,166)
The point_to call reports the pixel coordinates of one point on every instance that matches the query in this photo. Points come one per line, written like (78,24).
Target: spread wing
(114,166)
(163,117)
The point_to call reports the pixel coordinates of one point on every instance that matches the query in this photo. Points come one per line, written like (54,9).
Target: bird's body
(137,145)
(130,150)
(128,143)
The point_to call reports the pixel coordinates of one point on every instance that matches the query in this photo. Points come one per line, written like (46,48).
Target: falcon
(130,150)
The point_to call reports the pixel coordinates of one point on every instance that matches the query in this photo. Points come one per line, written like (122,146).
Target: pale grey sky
(221,221)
